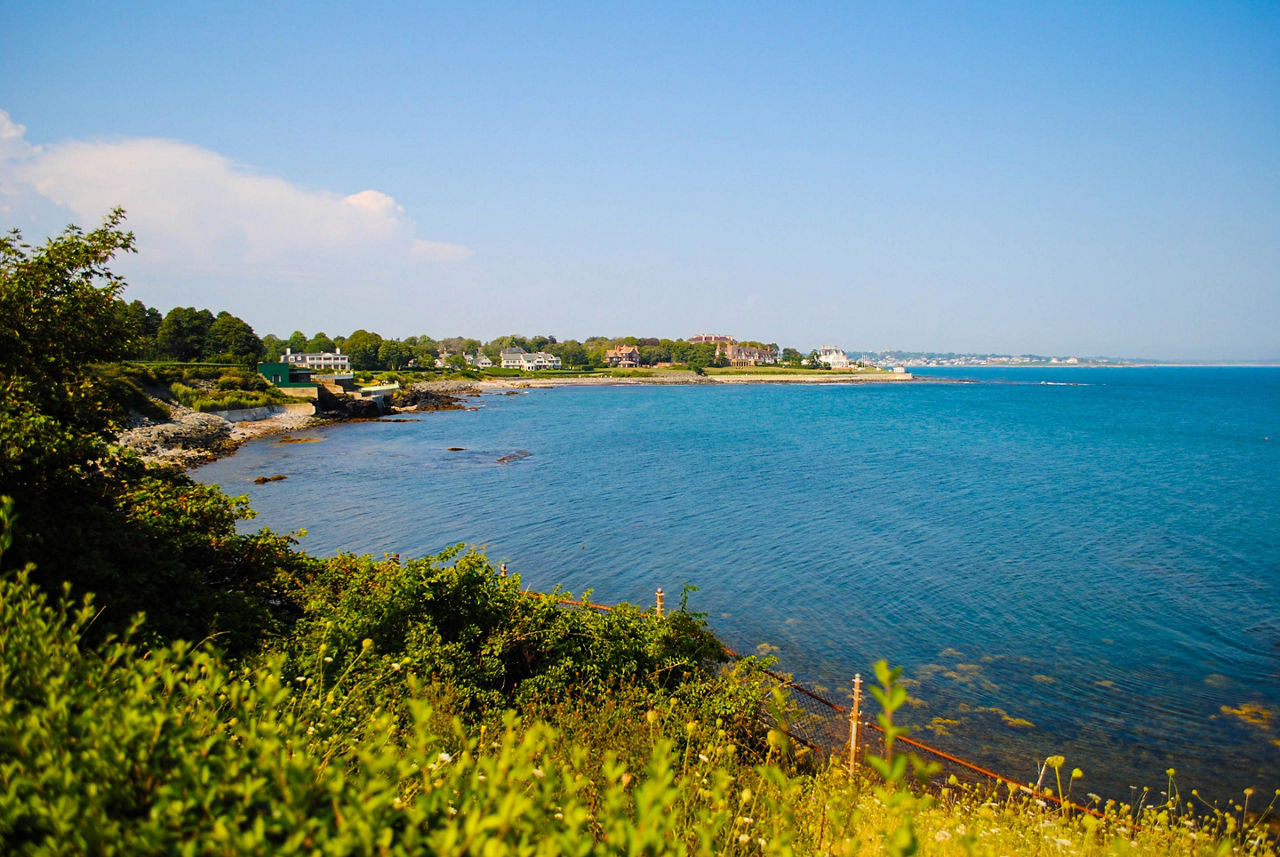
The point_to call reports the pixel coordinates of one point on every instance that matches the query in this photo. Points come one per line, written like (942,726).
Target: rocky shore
(191,438)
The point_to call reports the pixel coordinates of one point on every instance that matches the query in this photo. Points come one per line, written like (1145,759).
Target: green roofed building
(284,375)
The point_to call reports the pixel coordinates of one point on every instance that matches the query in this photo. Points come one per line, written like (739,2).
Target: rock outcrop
(191,438)
(433,396)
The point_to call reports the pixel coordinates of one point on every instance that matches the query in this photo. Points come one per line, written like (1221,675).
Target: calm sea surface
(1082,562)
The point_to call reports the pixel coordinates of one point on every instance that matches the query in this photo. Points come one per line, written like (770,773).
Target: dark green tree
(394,354)
(320,343)
(272,348)
(231,340)
(362,346)
(142,323)
(182,333)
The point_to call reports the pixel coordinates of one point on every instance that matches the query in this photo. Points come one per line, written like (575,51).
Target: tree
(232,340)
(394,354)
(272,348)
(297,342)
(142,323)
(572,353)
(88,514)
(182,333)
(362,347)
(792,357)
(58,317)
(320,343)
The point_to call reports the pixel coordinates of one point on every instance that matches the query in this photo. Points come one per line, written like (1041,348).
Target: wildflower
(311,730)
(396,666)
(444,758)
(537,772)
(746,795)
(941,836)
(703,757)
(1076,773)
(650,716)
(328,660)
(743,839)
(761,842)
(1171,772)
(300,678)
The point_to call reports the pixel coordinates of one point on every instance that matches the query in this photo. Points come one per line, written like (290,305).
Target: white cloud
(196,212)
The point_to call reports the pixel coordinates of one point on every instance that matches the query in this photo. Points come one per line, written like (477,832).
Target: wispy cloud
(194,210)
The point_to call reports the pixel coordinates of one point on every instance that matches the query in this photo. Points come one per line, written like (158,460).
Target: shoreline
(689,379)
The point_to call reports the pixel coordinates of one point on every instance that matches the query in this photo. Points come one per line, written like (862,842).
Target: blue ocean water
(1082,562)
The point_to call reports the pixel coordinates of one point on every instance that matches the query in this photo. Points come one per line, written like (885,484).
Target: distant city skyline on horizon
(1099,179)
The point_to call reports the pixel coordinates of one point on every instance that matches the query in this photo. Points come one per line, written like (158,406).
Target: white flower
(537,772)
(444,758)
(941,836)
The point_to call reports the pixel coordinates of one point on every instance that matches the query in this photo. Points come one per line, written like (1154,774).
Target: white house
(833,357)
(334,361)
(518,358)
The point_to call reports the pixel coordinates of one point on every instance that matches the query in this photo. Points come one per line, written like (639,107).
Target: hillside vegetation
(170,685)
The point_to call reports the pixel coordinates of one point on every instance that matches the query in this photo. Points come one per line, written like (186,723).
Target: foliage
(126,750)
(91,515)
(452,617)
(232,340)
(58,318)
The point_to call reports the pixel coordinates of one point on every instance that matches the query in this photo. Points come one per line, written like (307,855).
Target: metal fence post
(659,607)
(855,716)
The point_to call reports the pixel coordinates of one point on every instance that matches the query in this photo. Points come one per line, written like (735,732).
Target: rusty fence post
(659,606)
(855,717)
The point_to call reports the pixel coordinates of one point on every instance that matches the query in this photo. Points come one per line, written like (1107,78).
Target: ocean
(1076,562)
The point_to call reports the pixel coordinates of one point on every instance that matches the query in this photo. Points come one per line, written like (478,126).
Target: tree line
(187,334)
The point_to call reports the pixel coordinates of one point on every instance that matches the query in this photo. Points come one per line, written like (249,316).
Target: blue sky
(1083,178)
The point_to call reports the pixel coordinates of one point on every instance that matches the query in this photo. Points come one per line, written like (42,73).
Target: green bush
(452,617)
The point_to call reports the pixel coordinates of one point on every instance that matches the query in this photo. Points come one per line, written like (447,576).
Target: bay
(1082,562)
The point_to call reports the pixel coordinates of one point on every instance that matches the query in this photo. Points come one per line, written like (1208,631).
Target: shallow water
(1088,566)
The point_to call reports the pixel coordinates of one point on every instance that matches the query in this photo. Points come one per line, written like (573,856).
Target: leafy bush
(452,617)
